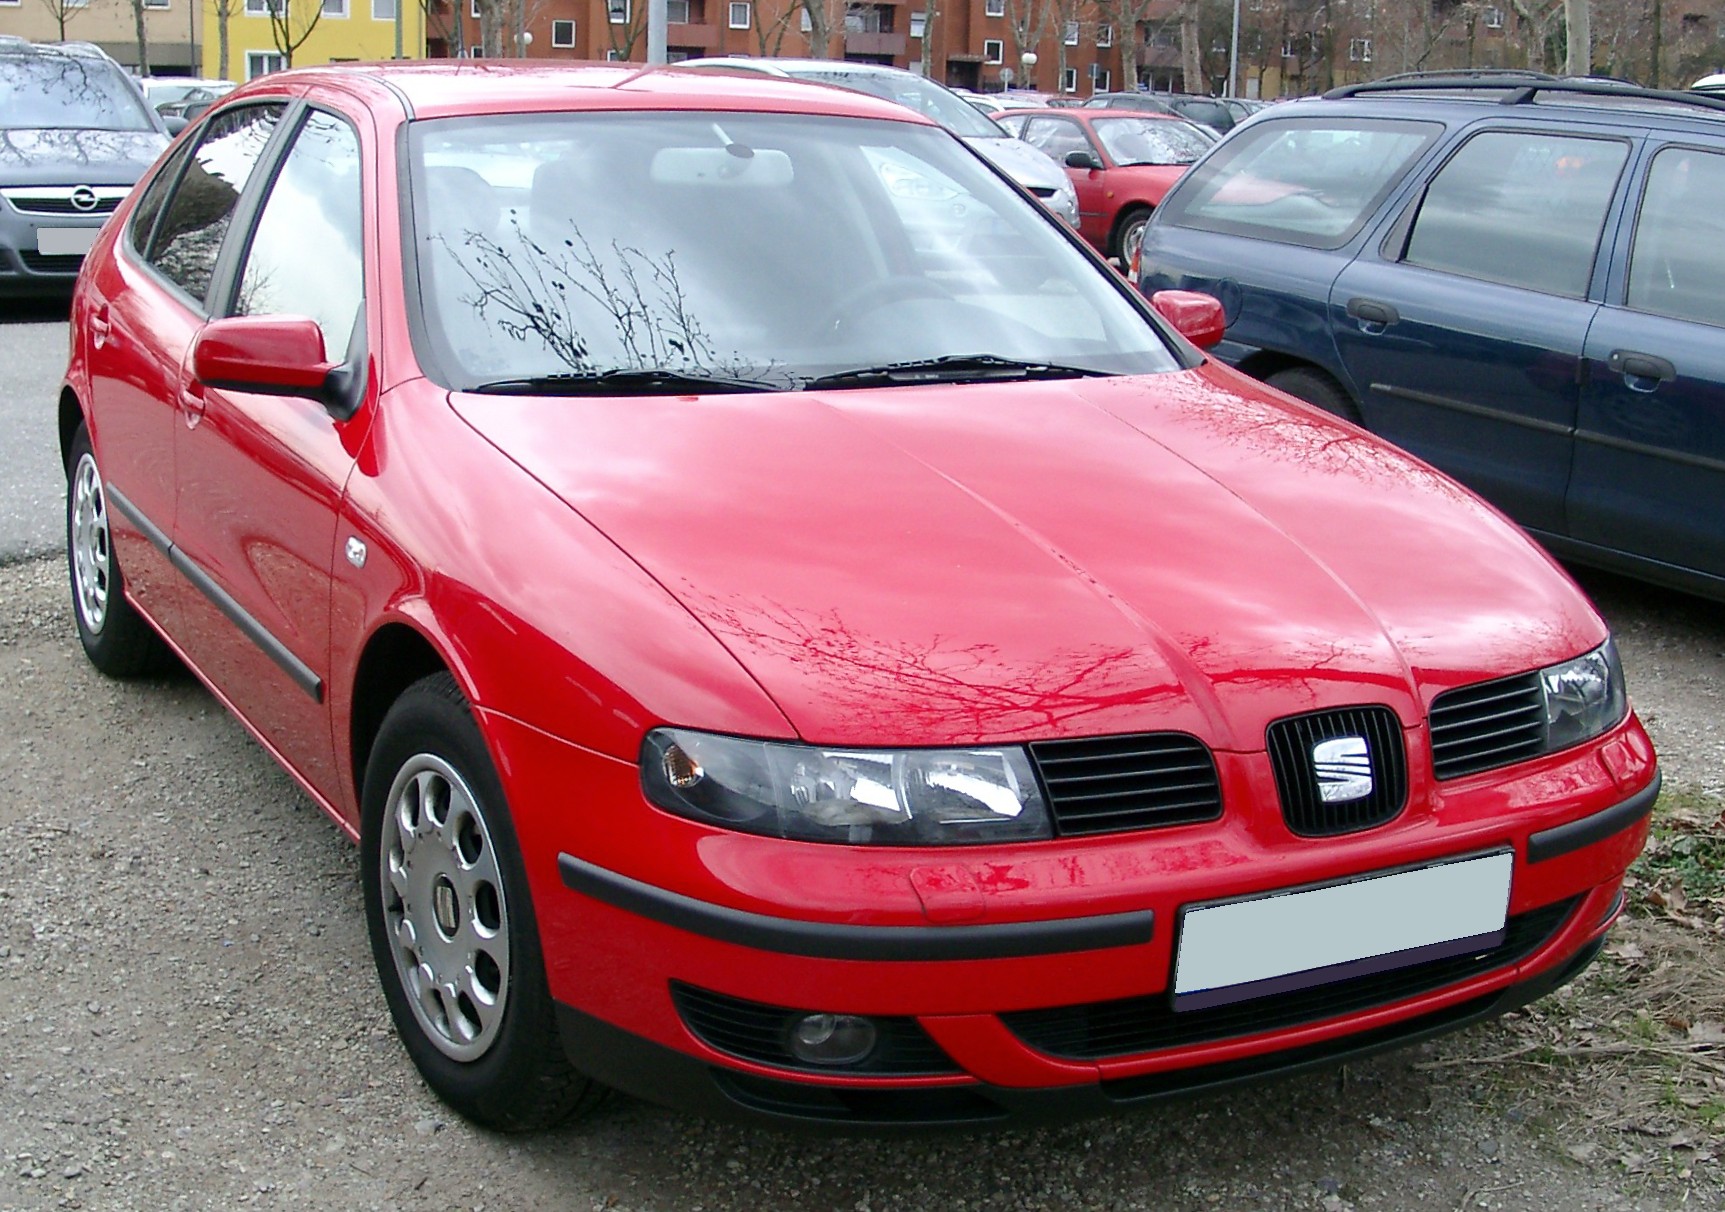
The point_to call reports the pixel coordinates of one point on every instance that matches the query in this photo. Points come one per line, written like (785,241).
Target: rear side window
(191,229)
(1519,208)
(1677,267)
(1308,181)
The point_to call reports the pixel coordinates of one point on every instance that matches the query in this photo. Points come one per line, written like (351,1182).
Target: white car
(1024,164)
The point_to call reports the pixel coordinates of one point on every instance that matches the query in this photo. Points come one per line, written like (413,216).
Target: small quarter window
(1678,262)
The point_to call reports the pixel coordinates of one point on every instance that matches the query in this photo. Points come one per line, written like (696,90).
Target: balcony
(875,44)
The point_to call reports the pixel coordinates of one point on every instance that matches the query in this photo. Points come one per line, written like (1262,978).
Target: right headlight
(874,797)
(1583,698)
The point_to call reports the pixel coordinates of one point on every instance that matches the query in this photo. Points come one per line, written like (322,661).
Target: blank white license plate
(65,241)
(1263,945)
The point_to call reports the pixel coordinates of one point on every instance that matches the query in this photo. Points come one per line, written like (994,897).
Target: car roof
(790,67)
(1099,113)
(449,87)
(1528,96)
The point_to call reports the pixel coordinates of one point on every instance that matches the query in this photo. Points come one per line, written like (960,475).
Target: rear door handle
(1370,311)
(1633,365)
(100,327)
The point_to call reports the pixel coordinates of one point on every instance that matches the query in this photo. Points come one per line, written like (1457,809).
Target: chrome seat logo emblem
(1344,769)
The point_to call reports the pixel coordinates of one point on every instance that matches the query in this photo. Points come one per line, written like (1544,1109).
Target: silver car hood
(1026,165)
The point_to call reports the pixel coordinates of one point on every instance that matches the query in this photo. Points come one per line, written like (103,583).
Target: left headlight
(1583,697)
(875,797)
(1065,201)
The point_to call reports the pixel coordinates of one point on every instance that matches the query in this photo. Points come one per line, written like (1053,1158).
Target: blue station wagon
(1520,279)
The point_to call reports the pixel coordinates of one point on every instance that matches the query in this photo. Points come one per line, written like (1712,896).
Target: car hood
(77,157)
(953,565)
(1026,165)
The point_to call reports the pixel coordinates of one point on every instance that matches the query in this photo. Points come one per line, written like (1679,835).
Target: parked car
(1516,280)
(75,135)
(1122,164)
(1036,172)
(781,673)
(1213,113)
(161,91)
(191,104)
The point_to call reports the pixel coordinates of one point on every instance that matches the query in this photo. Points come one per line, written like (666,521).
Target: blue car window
(1677,266)
(1308,181)
(1520,208)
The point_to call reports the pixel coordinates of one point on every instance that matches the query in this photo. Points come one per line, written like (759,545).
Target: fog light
(831,1039)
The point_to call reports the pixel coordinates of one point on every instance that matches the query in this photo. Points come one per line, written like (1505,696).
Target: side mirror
(268,355)
(175,123)
(1083,159)
(1197,317)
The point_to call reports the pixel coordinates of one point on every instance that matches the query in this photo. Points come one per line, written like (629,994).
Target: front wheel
(1315,387)
(116,638)
(451,923)
(1129,235)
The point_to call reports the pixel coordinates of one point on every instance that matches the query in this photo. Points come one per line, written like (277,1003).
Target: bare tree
(626,26)
(1577,22)
(143,40)
(930,18)
(1028,20)
(64,10)
(770,34)
(224,11)
(1191,49)
(1540,17)
(821,26)
(1129,18)
(290,26)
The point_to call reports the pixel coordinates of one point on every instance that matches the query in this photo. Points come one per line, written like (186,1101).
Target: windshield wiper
(954,368)
(627,381)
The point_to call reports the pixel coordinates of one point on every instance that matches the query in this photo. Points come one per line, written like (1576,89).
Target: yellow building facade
(305,33)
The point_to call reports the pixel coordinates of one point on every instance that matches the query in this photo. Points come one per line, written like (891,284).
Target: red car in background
(792,635)
(1121,163)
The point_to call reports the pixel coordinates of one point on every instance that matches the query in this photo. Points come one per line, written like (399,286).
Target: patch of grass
(1686,849)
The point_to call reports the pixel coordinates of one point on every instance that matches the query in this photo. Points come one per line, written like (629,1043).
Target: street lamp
(1028,62)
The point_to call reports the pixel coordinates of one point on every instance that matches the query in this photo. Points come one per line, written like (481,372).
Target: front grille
(1291,742)
(62,206)
(46,263)
(756,1032)
(1148,1024)
(1482,727)
(1114,784)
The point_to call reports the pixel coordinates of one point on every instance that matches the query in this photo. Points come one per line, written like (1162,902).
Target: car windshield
(59,91)
(1149,140)
(924,96)
(754,251)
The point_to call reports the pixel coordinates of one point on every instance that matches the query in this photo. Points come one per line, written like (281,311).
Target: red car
(784,653)
(1121,162)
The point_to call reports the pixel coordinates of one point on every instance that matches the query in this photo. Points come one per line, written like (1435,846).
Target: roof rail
(1470,73)
(1522,90)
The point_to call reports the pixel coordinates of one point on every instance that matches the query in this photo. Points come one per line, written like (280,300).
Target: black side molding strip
(824,940)
(1550,843)
(1473,410)
(256,632)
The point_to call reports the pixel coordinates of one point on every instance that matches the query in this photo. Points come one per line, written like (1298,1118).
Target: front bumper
(1031,980)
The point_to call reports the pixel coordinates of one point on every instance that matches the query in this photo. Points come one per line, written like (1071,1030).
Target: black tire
(1315,387)
(116,638)
(511,1073)
(1137,217)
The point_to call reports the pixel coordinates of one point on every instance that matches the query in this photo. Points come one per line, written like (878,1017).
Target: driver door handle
(1370,311)
(1633,365)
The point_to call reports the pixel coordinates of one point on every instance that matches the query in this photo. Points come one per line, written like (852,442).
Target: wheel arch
(1124,215)
(71,416)
(395,656)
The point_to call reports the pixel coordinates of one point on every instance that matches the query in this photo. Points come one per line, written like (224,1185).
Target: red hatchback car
(1122,163)
(784,652)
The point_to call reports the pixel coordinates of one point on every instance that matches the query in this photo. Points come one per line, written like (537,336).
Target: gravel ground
(189,1018)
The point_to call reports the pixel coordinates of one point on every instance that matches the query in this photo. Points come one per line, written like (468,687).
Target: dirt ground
(189,1016)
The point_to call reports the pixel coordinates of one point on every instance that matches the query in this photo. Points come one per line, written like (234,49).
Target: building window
(1069,80)
(994,8)
(1101,79)
(473,9)
(868,19)
(918,24)
(1072,33)
(563,35)
(612,56)
(1105,36)
(383,10)
(807,24)
(617,11)
(331,8)
(740,16)
(1494,18)
(147,3)
(676,12)
(254,8)
(260,63)
(1360,50)
(993,50)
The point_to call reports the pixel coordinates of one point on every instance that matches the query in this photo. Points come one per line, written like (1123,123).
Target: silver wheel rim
(444,908)
(1130,240)
(92,557)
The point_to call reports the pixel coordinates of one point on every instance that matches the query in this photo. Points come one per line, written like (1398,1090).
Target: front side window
(557,249)
(1519,208)
(1132,140)
(1677,264)
(1056,136)
(191,230)
(52,90)
(1308,181)
(314,202)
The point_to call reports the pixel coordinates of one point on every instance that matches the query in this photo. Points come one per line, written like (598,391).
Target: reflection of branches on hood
(528,296)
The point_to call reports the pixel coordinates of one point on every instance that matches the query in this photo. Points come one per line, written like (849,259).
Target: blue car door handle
(1373,316)
(1641,371)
